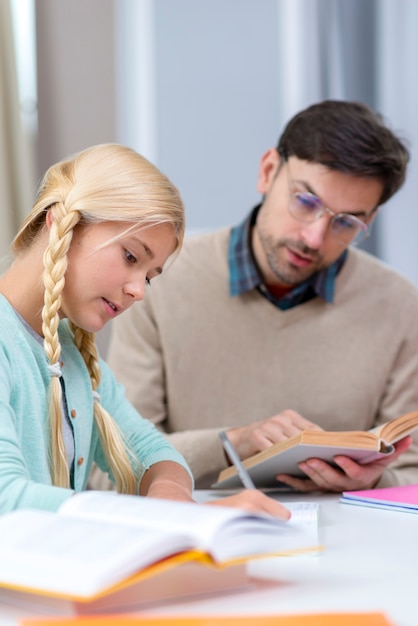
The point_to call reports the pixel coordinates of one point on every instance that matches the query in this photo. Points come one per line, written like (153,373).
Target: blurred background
(202,88)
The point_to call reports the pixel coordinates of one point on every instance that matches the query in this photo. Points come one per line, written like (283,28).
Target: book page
(76,557)
(71,555)
(398,428)
(200,522)
(223,532)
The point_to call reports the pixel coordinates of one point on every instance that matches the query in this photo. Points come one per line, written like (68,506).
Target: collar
(245,276)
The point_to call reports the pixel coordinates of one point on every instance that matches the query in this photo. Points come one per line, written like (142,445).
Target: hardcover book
(103,552)
(284,457)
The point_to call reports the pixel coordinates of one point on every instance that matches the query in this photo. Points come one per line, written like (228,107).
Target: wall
(217,102)
(76,82)
(76,76)
(198,87)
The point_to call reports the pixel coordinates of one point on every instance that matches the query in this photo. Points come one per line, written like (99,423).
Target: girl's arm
(171,481)
(167,480)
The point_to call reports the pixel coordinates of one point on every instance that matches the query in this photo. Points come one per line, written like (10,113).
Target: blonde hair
(107,182)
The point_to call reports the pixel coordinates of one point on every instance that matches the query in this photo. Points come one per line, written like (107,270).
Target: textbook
(284,457)
(104,551)
(403,498)
(305,619)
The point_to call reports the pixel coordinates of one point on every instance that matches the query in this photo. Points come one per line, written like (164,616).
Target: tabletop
(369,563)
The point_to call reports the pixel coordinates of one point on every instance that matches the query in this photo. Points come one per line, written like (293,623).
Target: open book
(284,457)
(103,551)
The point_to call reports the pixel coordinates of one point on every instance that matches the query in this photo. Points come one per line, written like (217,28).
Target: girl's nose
(135,289)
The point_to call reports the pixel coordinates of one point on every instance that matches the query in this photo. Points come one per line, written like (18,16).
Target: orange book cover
(317,619)
(180,577)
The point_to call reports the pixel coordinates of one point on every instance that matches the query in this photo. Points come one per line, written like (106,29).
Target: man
(280,324)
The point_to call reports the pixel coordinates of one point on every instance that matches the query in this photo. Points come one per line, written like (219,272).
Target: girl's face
(104,279)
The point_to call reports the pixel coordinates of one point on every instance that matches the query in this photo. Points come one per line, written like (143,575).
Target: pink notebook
(403,498)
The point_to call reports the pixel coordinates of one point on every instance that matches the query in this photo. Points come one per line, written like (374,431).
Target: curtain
(15,161)
(327,51)
(397,99)
(310,54)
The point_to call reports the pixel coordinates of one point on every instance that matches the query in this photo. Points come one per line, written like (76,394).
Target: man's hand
(349,476)
(258,436)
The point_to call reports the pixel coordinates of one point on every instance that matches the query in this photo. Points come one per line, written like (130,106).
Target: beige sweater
(195,360)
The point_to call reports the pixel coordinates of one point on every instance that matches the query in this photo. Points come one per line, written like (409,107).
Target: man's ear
(269,166)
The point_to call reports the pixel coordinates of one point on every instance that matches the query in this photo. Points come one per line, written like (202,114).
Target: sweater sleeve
(24,474)
(401,396)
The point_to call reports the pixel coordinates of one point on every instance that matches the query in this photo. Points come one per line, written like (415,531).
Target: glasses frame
(358,238)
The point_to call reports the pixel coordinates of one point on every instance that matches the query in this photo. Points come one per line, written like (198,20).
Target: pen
(236,461)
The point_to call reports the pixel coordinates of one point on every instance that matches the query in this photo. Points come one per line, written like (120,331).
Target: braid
(104,183)
(116,450)
(55,265)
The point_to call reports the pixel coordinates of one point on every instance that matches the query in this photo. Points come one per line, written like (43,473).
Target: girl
(102,227)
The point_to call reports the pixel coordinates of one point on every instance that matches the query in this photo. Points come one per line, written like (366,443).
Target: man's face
(287,250)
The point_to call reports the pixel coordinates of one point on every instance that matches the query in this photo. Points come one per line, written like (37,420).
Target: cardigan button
(73,413)
(80,460)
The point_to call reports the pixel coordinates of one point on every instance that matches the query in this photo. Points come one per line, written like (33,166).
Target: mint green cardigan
(24,380)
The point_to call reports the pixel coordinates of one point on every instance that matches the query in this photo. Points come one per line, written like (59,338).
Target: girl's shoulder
(11,328)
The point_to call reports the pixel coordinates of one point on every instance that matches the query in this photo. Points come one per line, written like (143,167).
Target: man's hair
(348,137)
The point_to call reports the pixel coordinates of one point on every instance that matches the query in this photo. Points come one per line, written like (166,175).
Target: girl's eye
(147,281)
(130,257)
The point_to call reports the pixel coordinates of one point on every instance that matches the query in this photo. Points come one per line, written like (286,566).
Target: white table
(370,563)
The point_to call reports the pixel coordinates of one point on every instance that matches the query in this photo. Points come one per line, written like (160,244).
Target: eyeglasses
(306,207)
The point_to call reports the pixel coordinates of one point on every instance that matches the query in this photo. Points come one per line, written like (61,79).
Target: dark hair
(349,137)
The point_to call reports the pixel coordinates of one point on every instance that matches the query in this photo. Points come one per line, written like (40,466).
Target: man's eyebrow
(355,213)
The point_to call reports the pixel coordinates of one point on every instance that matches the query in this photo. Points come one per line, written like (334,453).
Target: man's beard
(284,271)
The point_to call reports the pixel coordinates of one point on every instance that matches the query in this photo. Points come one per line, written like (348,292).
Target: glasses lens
(348,228)
(305,206)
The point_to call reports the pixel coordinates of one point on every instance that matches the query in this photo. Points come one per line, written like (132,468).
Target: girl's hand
(253,500)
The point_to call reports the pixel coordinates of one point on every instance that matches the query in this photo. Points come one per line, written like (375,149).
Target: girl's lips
(111,308)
